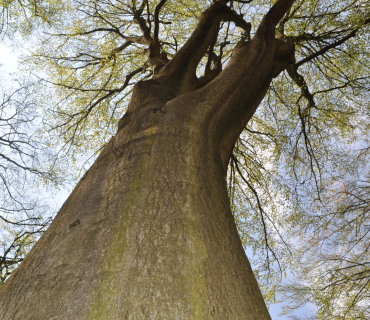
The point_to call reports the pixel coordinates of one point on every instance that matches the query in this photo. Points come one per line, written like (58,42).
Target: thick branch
(142,24)
(272,18)
(156,19)
(114,30)
(234,95)
(183,65)
(122,46)
(209,73)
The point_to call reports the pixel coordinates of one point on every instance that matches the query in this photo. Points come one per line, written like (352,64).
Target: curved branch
(272,18)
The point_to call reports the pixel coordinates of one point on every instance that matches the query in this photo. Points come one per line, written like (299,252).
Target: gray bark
(148,232)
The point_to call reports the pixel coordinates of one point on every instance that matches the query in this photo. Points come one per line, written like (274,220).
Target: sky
(9,64)
(8,59)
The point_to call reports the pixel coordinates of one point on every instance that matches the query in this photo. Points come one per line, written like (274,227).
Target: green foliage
(24,17)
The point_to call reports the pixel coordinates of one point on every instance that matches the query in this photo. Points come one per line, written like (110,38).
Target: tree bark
(148,232)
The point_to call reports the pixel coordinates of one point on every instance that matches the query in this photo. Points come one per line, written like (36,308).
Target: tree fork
(148,232)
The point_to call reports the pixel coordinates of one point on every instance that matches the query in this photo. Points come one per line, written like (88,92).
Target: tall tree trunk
(148,232)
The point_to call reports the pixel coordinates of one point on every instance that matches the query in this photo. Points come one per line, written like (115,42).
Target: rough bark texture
(148,232)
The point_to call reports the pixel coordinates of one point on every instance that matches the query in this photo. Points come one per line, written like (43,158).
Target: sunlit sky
(8,59)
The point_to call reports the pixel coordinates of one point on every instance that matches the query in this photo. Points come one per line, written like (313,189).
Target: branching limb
(85,33)
(301,83)
(310,151)
(82,115)
(331,46)
(142,24)
(182,67)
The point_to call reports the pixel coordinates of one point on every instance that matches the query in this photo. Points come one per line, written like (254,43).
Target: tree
(152,214)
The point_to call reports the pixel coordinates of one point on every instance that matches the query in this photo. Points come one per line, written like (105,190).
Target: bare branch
(331,46)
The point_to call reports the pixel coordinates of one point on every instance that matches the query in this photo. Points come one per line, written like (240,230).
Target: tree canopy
(86,56)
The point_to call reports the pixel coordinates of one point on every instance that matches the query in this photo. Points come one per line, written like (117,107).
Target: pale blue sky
(8,59)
